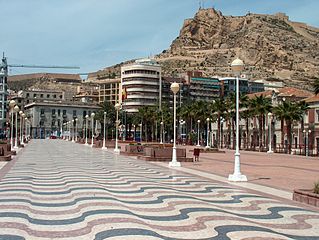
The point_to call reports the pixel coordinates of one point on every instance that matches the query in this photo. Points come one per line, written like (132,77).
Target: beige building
(141,84)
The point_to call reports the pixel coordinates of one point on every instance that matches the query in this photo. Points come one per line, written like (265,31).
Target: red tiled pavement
(281,171)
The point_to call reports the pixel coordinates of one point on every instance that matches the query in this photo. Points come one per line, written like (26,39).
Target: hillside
(272,46)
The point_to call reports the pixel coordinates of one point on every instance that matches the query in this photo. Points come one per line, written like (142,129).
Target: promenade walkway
(63,190)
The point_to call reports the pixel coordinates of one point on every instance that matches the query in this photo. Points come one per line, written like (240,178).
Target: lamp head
(23,115)
(104,113)
(117,106)
(237,66)
(207,119)
(269,114)
(20,112)
(86,116)
(92,115)
(16,108)
(174,87)
(198,121)
(12,103)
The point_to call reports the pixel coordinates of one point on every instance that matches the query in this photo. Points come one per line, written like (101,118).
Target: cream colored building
(141,84)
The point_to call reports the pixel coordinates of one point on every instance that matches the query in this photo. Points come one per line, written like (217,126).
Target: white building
(141,84)
(47,117)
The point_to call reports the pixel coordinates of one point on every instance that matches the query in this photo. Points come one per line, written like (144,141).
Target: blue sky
(93,34)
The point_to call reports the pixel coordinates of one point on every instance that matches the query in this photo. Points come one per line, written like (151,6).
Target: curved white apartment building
(141,85)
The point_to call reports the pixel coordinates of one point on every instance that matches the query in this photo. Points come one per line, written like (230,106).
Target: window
(74,113)
(53,111)
(41,95)
(64,112)
(54,96)
(60,96)
(48,95)
(84,114)
(34,95)
(59,112)
(28,95)
(42,111)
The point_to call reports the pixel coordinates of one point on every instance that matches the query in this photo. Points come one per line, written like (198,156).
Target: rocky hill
(272,47)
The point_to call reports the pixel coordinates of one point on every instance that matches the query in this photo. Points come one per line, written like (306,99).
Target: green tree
(260,106)
(288,112)
(316,85)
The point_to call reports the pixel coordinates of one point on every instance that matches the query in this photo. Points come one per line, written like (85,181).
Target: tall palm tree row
(260,106)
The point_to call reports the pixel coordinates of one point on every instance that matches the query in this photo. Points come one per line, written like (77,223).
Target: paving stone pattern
(63,190)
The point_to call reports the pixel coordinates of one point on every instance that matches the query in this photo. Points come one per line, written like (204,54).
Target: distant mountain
(272,47)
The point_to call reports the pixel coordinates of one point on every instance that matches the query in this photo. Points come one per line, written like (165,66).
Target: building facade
(3,93)
(47,118)
(141,84)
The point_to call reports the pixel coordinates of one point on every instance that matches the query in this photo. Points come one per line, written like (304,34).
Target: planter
(306,196)
(5,152)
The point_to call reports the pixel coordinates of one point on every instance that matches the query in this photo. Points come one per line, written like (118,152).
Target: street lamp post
(237,66)
(22,127)
(86,129)
(207,140)
(198,122)
(174,162)
(117,107)
(133,132)
(26,128)
(141,131)
(104,124)
(73,131)
(21,124)
(16,110)
(308,142)
(76,129)
(12,103)
(161,133)
(270,132)
(92,119)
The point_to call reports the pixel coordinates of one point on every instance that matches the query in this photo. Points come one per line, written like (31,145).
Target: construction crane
(4,78)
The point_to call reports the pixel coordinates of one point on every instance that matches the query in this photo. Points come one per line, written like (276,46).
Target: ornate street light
(162,124)
(12,103)
(73,131)
(86,129)
(117,107)
(76,129)
(16,110)
(207,138)
(270,132)
(198,122)
(21,124)
(22,127)
(174,163)
(92,119)
(26,128)
(141,131)
(104,131)
(237,66)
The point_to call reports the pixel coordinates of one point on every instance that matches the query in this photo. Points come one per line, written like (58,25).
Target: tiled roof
(314,98)
(267,93)
(284,92)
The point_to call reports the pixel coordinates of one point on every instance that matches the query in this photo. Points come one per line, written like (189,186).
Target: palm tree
(220,109)
(288,112)
(316,85)
(260,106)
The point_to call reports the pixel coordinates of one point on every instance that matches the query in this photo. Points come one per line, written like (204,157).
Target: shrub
(316,188)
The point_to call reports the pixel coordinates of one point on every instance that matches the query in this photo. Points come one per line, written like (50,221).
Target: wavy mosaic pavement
(61,190)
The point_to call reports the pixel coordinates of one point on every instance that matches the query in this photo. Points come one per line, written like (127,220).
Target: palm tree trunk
(289,136)
(260,120)
(247,133)
(218,132)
